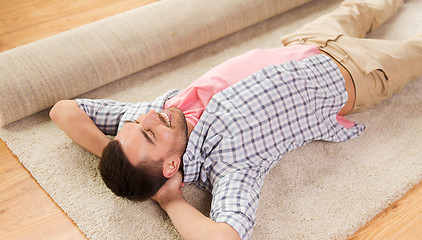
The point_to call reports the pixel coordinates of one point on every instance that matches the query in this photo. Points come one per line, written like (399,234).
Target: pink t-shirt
(193,99)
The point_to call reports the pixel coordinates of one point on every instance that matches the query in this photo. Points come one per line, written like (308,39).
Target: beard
(181,126)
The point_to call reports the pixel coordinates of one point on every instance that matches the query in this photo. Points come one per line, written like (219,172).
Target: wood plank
(401,220)
(26,210)
(25,21)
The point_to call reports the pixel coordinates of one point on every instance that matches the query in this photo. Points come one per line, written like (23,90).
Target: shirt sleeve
(106,114)
(235,200)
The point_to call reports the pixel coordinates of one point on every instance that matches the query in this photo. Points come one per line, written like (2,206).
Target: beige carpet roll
(35,76)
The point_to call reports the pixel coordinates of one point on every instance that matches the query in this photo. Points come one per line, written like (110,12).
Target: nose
(151,119)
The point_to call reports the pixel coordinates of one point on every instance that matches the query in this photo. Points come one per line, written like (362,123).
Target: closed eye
(134,121)
(147,137)
(153,135)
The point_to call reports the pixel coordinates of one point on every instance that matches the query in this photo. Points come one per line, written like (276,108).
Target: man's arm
(190,223)
(79,126)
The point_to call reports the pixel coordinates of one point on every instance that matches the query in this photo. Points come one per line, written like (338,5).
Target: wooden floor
(24,21)
(26,210)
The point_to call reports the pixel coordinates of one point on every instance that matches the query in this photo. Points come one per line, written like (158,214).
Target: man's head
(144,154)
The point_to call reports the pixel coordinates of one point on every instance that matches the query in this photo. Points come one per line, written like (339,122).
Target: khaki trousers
(379,68)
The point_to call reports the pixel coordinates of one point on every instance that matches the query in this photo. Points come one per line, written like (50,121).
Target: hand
(190,223)
(170,190)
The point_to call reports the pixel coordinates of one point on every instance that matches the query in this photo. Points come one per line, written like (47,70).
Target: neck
(190,128)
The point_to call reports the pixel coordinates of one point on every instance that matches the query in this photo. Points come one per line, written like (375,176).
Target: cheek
(167,137)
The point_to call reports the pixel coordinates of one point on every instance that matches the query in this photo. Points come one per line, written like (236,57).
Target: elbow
(61,109)
(225,231)
(54,112)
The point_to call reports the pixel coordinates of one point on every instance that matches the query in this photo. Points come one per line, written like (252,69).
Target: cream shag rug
(320,191)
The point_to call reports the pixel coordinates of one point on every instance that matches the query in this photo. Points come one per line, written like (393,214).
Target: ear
(171,166)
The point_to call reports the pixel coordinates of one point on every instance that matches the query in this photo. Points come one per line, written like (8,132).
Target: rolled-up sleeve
(106,114)
(235,200)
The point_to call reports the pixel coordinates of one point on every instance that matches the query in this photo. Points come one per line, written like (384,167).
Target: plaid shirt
(246,128)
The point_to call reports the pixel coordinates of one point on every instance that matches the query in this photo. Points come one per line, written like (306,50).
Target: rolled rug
(35,76)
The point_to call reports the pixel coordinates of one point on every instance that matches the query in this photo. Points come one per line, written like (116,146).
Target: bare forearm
(192,224)
(78,126)
(88,137)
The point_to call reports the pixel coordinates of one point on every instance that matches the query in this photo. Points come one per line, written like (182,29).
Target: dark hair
(126,180)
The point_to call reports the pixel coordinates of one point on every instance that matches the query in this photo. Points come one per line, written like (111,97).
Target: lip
(167,117)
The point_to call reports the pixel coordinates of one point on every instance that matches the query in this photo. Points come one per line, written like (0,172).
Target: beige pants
(379,68)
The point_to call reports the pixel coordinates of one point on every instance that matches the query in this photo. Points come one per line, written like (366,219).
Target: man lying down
(226,130)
